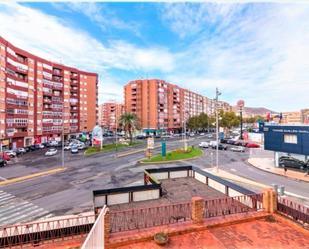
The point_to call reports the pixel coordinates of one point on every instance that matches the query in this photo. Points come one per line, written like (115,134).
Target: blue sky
(256,51)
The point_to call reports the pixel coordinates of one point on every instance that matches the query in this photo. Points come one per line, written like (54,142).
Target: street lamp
(217,128)
(185,129)
(240,104)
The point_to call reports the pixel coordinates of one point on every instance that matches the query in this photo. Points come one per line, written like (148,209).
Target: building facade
(109,115)
(39,98)
(161,106)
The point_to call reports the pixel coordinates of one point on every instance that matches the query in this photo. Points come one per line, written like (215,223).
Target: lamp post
(217,128)
(240,104)
(116,128)
(185,129)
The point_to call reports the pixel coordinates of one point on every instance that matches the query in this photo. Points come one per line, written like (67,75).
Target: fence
(37,233)
(95,238)
(141,218)
(296,211)
(232,205)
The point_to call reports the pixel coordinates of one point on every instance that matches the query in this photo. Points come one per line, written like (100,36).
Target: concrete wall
(200,177)
(118,198)
(146,195)
(216,185)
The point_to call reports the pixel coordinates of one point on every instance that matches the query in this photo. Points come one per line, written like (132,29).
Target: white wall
(200,177)
(117,198)
(99,201)
(177,174)
(160,176)
(233,193)
(216,185)
(146,195)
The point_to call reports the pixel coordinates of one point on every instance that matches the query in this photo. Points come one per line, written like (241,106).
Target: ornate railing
(294,210)
(37,233)
(141,218)
(232,205)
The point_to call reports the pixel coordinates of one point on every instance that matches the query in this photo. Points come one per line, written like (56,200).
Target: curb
(28,177)
(170,161)
(292,178)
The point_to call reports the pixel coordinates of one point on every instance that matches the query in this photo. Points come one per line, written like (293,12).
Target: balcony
(57,72)
(74,76)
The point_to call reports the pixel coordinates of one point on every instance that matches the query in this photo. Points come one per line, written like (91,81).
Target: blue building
(287,139)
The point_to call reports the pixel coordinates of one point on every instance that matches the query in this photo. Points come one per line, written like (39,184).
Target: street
(70,191)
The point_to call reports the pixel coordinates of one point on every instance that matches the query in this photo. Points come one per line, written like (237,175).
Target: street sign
(150,143)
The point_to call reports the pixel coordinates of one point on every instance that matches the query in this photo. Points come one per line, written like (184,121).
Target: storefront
(290,140)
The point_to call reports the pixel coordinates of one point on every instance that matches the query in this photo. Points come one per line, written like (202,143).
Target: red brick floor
(257,234)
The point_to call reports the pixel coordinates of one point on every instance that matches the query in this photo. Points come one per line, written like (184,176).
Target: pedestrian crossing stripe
(14,209)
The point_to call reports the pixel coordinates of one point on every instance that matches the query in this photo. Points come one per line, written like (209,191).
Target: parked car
(213,143)
(81,146)
(2,162)
(223,141)
(5,156)
(74,150)
(238,149)
(204,144)
(167,136)
(67,147)
(252,145)
(51,152)
(209,136)
(220,147)
(10,153)
(140,137)
(202,134)
(191,134)
(157,136)
(291,162)
(41,146)
(176,135)
(53,143)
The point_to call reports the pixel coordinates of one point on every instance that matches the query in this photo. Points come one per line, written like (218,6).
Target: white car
(238,149)
(53,143)
(213,143)
(68,147)
(81,146)
(191,134)
(203,145)
(51,152)
(209,136)
(41,146)
(202,134)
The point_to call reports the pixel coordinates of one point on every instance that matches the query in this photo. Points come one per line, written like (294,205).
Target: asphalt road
(71,191)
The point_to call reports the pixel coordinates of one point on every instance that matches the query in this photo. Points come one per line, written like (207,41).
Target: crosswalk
(15,210)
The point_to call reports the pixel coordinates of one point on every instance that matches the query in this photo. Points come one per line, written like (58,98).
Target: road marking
(28,177)
(234,170)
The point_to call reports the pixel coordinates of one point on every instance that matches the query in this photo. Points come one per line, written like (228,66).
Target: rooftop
(175,190)
(259,233)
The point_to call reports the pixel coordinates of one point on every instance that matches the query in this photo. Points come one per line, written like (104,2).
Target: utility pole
(116,127)
(217,128)
(185,128)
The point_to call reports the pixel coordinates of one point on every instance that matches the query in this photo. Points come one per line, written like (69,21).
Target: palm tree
(129,121)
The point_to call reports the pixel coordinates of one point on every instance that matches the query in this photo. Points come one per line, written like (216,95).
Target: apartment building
(109,115)
(161,106)
(291,117)
(40,98)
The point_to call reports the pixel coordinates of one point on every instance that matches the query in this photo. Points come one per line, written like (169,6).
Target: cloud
(258,52)
(102,16)
(57,40)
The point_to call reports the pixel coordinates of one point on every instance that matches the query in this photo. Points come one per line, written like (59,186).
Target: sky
(258,52)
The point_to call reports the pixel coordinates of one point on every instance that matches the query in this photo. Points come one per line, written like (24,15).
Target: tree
(129,122)
(228,119)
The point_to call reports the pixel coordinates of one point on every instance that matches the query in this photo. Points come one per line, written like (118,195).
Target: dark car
(223,141)
(291,162)
(230,141)
(2,162)
(140,137)
(220,147)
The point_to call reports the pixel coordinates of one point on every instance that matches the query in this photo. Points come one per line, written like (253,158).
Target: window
(290,139)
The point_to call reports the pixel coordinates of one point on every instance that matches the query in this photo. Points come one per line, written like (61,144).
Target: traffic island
(108,147)
(175,155)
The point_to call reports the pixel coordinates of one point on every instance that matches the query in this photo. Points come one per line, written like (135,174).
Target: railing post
(270,200)
(197,209)
(107,227)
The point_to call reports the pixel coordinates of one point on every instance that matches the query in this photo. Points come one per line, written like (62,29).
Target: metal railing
(232,205)
(141,218)
(294,210)
(37,233)
(95,238)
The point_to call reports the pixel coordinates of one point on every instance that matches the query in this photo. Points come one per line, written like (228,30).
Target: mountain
(253,111)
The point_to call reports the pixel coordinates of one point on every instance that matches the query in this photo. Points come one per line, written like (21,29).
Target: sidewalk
(267,164)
